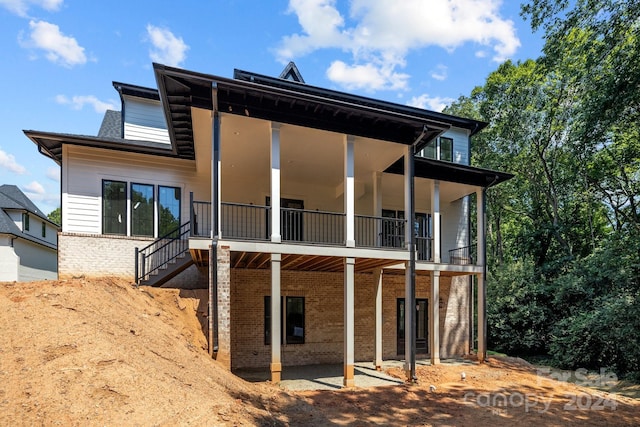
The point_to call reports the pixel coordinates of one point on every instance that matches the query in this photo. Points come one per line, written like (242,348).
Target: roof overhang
(285,101)
(452,172)
(50,144)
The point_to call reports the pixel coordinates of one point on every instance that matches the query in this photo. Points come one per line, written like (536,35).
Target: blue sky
(59,57)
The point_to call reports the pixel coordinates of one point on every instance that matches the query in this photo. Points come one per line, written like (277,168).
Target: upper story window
(25,222)
(440,149)
(114,207)
(141,210)
(168,209)
(135,215)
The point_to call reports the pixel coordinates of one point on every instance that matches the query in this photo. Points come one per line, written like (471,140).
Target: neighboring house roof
(111,126)
(11,198)
(292,73)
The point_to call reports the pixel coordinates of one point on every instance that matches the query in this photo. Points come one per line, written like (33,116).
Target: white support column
(349,191)
(482,290)
(276,321)
(377,277)
(276,235)
(435,218)
(377,205)
(434,318)
(349,326)
(219,180)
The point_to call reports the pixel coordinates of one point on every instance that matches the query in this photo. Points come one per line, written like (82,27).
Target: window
(168,209)
(141,210)
(114,207)
(293,315)
(44,229)
(25,222)
(446,149)
(440,149)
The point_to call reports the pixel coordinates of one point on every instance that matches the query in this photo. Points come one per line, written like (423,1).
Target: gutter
(213,251)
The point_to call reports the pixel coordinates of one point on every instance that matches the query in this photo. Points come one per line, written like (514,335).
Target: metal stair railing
(160,253)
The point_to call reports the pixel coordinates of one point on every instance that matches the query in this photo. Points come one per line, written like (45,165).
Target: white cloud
(385,31)
(440,72)
(21,7)
(366,76)
(436,103)
(60,49)
(8,162)
(53,173)
(166,47)
(77,102)
(34,187)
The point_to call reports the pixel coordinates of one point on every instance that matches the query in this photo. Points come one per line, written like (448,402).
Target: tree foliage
(564,234)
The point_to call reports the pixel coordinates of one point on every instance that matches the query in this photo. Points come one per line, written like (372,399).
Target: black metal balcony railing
(462,256)
(252,222)
(424,246)
(379,232)
(156,256)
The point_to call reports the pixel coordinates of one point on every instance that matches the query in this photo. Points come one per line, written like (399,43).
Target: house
(289,202)
(28,239)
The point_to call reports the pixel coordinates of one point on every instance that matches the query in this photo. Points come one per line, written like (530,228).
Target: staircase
(165,258)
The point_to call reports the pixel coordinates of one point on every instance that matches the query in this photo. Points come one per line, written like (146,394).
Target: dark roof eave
(452,172)
(138,91)
(50,144)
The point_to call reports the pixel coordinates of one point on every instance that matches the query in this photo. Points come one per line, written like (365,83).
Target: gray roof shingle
(111,125)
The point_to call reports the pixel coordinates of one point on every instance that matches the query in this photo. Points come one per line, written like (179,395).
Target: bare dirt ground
(102,352)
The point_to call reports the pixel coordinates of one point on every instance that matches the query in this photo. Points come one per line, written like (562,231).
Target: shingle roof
(111,125)
(16,199)
(12,198)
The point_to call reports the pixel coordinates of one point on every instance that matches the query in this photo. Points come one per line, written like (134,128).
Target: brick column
(224,307)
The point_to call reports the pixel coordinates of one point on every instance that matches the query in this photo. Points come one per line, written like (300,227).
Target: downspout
(412,251)
(213,249)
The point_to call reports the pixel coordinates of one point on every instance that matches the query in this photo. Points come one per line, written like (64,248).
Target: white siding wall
(8,260)
(144,120)
(455,227)
(85,168)
(460,145)
(35,226)
(36,262)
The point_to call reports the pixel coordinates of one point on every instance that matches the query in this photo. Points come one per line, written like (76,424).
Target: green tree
(55,216)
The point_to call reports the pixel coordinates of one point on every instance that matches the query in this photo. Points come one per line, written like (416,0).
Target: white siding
(85,168)
(8,260)
(460,145)
(455,226)
(36,262)
(144,120)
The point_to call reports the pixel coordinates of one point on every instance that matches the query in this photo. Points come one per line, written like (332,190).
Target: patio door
(422,325)
(423,236)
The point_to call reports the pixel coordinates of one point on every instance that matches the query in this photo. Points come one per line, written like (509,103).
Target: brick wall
(97,255)
(324,321)
(224,308)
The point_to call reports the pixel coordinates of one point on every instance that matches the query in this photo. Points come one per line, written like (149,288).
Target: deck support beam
(482,261)
(349,326)
(434,318)
(377,277)
(276,320)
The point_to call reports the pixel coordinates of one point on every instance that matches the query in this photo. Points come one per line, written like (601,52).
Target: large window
(293,316)
(141,210)
(114,207)
(168,209)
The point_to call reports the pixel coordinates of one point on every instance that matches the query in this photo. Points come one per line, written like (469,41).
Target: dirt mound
(103,352)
